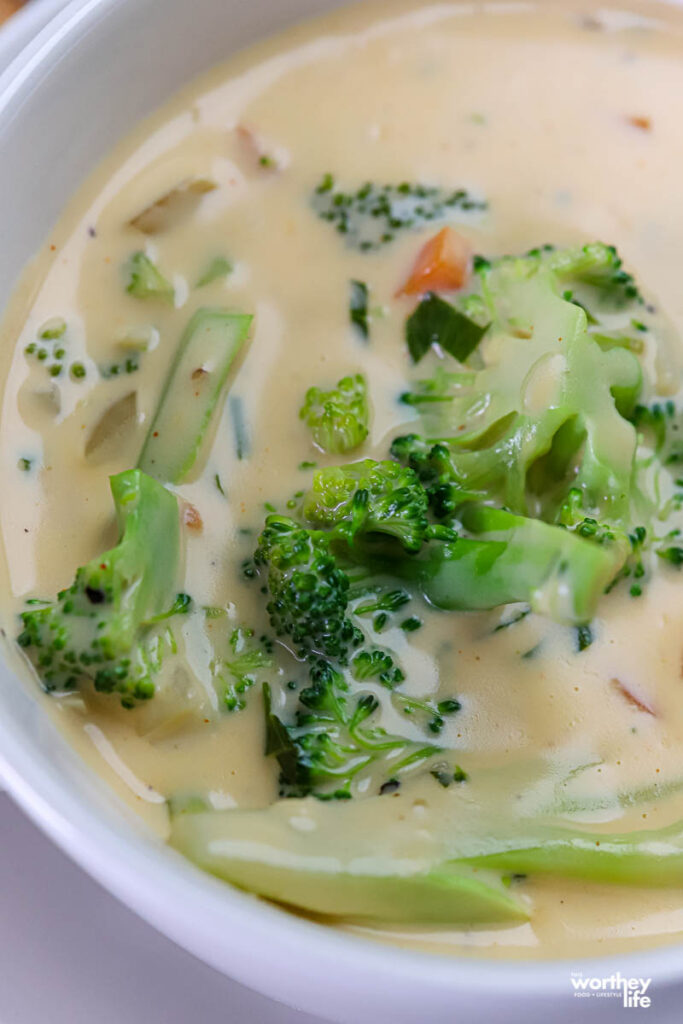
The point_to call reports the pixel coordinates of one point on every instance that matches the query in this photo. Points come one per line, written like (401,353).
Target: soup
(334,384)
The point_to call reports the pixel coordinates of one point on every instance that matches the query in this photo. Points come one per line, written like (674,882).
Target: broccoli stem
(410,873)
(246,847)
(518,559)
(652,857)
(190,397)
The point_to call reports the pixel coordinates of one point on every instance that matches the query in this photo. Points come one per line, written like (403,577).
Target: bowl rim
(148,874)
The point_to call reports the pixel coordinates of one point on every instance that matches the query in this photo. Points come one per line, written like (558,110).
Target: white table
(72,954)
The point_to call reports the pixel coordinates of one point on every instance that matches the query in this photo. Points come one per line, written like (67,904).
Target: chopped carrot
(636,701)
(442,265)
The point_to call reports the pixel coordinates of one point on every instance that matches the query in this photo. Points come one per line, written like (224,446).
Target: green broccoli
(505,558)
(330,740)
(236,675)
(369,497)
(594,266)
(145,280)
(309,593)
(548,403)
(333,740)
(106,628)
(338,419)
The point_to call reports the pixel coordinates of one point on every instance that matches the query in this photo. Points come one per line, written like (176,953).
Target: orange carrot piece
(442,265)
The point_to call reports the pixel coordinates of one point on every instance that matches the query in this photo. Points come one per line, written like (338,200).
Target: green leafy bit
(239,427)
(437,322)
(584,637)
(358,308)
(339,418)
(218,268)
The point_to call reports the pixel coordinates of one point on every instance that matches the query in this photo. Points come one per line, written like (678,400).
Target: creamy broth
(565,124)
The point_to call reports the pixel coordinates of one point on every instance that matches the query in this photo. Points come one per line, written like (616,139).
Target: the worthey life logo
(634,992)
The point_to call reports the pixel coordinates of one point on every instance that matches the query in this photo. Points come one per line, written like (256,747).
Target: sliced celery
(191,394)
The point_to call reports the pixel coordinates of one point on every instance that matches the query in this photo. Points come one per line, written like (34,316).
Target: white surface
(98,67)
(72,954)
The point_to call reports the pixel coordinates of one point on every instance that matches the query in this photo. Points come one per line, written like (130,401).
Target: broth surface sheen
(565,122)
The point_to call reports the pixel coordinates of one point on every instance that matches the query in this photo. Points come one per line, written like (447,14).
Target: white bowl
(75,89)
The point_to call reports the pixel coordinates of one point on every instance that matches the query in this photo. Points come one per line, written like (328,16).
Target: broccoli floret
(369,497)
(661,424)
(309,593)
(595,265)
(433,465)
(376,664)
(247,660)
(549,402)
(338,419)
(101,629)
(333,740)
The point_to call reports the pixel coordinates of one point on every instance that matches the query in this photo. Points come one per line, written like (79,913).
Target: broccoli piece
(376,664)
(595,265)
(501,558)
(338,419)
(333,739)
(243,666)
(101,629)
(145,280)
(369,497)
(309,593)
(436,321)
(548,407)
(660,423)
(335,869)
(371,216)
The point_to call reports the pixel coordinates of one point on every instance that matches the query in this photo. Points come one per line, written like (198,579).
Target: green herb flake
(217,268)
(437,322)
(584,637)
(358,308)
